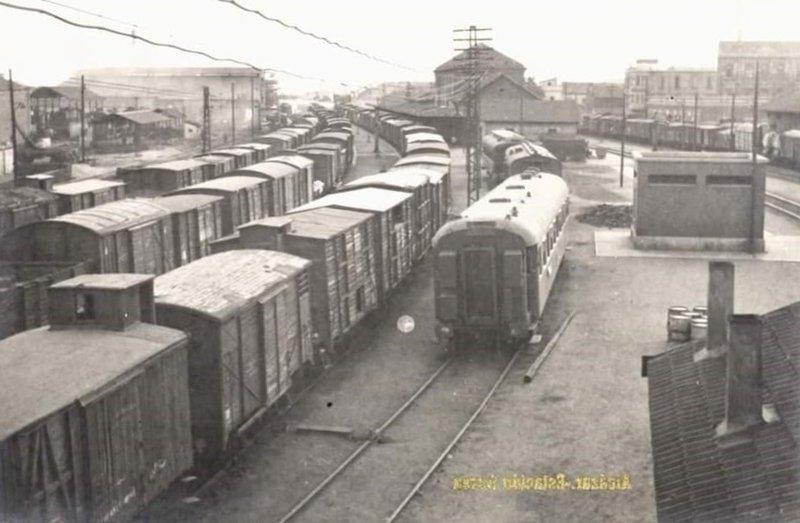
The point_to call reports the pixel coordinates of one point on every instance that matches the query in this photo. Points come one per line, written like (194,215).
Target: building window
(84,307)
(677,82)
(723,179)
(672,179)
(663,83)
(709,83)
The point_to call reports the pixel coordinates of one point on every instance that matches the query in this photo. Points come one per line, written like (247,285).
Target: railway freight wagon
(248,313)
(304,189)
(565,146)
(420,188)
(285,186)
(216,165)
(132,235)
(95,407)
(261,151)
(341,138)
(496,264)
(196,222)
(21,206)
(327,159)
(390,212)
(244,198)
(343,272)
(242,156)
(154,180)
(790,147)
(85,194)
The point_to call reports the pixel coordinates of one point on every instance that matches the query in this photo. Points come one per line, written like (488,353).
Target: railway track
(399,451)
(783,205)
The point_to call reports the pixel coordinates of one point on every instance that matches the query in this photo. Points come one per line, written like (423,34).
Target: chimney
(743,385)
(720,305)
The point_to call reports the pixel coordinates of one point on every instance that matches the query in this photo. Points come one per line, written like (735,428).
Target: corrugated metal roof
(85,186)
(115,216)
(320,224)
(696,478)
(186,202)
(225,183)
(104,281)
(44,371)
(366,199)
(273,170)
(536,199)
(221,284)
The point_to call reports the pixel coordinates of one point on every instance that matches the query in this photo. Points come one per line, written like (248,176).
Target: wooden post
(252,106)
(376,150)
(754,186)
(696,117)
(733,117)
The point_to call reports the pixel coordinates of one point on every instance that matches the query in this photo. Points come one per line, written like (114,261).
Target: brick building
(449,75)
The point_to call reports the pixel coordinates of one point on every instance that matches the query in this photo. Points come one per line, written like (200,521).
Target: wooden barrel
(699,328)
(679,327)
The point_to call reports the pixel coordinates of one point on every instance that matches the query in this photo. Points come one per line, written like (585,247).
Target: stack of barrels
(684,323)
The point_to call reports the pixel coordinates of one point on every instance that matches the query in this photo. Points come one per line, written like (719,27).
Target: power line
(314,35)
(162,44)
(90,13)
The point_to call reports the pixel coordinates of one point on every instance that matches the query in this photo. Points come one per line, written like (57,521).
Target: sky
(572,40)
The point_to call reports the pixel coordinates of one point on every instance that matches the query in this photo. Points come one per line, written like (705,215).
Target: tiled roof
(490,59)
(695,478)
(63,91)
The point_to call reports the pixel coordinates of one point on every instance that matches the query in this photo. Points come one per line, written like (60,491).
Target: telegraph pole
(13,125)
(233,114)
(376,150)
(696,117)
(622,142)
(472,148)
(753,186)
(206,132)
(252,106)
(733,118)
(83,116)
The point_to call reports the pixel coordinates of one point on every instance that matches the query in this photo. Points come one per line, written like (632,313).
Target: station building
(698,201)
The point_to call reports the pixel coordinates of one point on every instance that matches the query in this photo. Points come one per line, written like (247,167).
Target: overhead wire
(165,45)
(314,35)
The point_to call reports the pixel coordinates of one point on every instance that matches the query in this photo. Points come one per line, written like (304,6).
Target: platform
(618,244)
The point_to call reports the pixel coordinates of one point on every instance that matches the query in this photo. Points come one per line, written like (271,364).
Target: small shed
(23,205)
(95,408)
(244,198)
(123,236)
(705,201)
(249,316)
(152,180)
(86,194)
(342,275)
(134,128)
(391,211)
(196,221)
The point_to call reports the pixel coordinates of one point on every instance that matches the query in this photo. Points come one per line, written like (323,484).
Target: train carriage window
(360,299)
(398,215)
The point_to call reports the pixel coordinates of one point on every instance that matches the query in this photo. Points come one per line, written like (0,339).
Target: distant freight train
(781,148)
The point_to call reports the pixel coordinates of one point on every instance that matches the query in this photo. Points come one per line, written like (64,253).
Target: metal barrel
(699,328)
(674,310)
(702,309)
(679,327)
